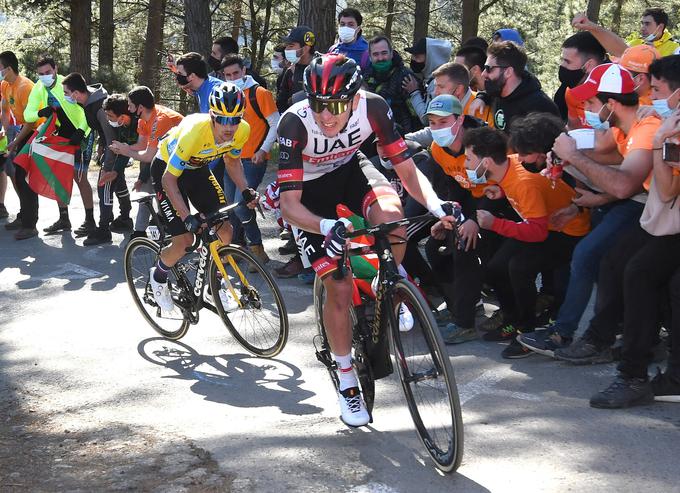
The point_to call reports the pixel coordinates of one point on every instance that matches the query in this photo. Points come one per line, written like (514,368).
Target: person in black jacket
(385,77)
(299,50)
(514,91)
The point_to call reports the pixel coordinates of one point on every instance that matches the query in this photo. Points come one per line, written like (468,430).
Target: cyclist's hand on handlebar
(335,233)
(250,197)
(193,223)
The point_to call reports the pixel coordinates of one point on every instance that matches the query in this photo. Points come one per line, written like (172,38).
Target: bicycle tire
(138,278)
(259,297)
(359,357)
(423,365)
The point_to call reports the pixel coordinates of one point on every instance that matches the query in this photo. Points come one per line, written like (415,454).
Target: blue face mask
(474,176)
(593,119)
(69,99)
(443,136)
(662,107)
(239,83)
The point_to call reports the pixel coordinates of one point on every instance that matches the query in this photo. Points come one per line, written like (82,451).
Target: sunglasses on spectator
(227,120)
(489,68)
(335,107)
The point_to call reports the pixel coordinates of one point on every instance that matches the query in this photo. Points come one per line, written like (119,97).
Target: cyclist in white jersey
(319,167)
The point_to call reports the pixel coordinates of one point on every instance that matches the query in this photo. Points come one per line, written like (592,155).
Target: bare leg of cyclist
(336,313)
(388,208)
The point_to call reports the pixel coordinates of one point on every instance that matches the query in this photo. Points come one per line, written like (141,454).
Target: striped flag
(48,160)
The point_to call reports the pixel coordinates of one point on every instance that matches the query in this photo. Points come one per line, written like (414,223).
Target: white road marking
(373,488)
(485,384)
(71,272)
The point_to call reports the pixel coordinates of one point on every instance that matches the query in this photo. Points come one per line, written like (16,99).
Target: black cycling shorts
(357,184)
(197,186)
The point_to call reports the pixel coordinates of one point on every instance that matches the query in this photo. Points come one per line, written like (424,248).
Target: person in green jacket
(46,97)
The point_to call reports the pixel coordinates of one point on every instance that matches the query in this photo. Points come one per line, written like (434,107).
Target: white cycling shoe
(405,318)
(228,301)
(353,410)
(161,293)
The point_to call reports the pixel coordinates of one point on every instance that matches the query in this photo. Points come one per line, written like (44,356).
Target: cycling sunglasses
(227,120)
(335,107)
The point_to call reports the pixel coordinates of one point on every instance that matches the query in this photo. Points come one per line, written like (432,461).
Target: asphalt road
(74,346)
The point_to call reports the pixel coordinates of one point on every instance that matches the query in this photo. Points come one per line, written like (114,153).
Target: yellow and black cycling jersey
(191,144)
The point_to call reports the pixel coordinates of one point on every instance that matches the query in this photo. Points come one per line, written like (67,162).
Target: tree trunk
(616,17)
(320,16)
(593,10)
(154,42)
(197,21)
(236,28)
(81,37)
(264,37)
(470,19)
(422,19)
(389,19)
(106,29)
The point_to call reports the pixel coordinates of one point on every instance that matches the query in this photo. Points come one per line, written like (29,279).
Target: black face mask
(417,67)
(570,77)
(214,63)
(182,80)
(493,88)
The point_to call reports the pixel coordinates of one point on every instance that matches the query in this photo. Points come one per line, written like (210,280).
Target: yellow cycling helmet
(227,100)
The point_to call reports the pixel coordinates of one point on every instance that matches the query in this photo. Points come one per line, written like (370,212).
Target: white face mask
(651,37)
(292,56)
(346,34)
(47,80)
(276,66)
(114,124)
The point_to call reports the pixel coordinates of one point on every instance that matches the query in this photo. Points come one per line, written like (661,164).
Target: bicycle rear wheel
(427,378)
(141,255)
(360,359)
(249,302)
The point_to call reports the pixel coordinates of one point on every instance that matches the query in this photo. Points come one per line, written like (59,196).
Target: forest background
(121,43)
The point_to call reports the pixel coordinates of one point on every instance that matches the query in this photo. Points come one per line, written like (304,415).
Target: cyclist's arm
(234,168)
(295,213)
(171,188)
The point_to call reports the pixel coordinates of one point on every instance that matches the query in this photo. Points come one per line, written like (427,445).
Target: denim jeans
(608,222)
(245,219)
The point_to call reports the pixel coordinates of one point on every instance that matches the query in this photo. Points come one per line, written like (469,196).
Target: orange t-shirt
(533,197)
(454,166)
(645,99)
(486,115)
(15,96)
(575,110)
(258,126)
(640,136)
(162,119)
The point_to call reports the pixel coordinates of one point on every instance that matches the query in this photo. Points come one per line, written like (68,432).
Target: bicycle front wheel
(141,255)
(427,377)
(249,302)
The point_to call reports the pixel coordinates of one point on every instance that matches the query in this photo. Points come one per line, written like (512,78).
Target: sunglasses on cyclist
(227,120)
(335,107)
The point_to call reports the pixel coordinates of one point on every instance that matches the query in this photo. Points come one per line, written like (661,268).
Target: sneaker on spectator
(543,341)
(584,352)
(515,351)
(85,229)
(14,225)
(121,224)
(3,211)
(25,233)
(624,392)
(505,333)
(495,321)
(58,226)
(665,387)
(291,269)
(353,410)
(288,248)
(98,237)
(452,334)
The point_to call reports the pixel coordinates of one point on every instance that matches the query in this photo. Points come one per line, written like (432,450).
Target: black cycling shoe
(121,224)
(60,225)
(85,229)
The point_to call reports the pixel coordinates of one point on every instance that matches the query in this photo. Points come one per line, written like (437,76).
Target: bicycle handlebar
(211,220)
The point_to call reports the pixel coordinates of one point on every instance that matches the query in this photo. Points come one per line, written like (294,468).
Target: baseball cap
(509,35)
(608,77)
(638,58)
(418,48)
(302,35)
(444,105)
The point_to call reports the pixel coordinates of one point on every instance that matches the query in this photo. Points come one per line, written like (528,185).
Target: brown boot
(258,251)
(292,268)
(25,233)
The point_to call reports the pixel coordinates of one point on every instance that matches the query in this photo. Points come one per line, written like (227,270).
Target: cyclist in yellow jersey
(180,172)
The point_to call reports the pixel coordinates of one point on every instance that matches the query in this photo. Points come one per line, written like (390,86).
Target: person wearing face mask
(386,77)
(14,92)
(223,46)
(154,122)
(91,99)
(581,52)
(263,117)
(426,55)
(513,91)
(350,41)
(299,50)
(637,60)
(653,32)
(532,244)
(192,76)
(46,98)
(279,64)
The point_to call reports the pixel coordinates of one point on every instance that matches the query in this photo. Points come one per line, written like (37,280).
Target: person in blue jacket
(350,41)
